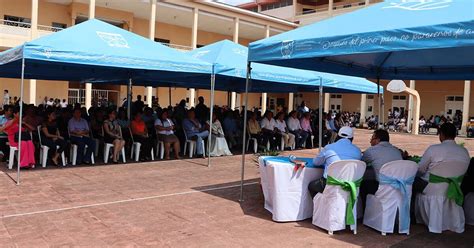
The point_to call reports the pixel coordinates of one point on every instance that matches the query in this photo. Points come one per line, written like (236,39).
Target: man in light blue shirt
(343,149)
(195,131)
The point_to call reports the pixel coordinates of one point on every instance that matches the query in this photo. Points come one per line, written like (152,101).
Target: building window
(454,98)
(17,21)
(162,41)
(279,4)
(370,96)
(58,26)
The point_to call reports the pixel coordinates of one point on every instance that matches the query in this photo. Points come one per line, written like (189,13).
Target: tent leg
(169,96)
(21,118)
(320,138)
(129,99)
(379,103)
(213,82)
(244,136)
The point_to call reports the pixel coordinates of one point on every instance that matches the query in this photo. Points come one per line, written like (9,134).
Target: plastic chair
(136,149)
(192,145)
(73,152)
(108,148)
(434,209)
(381,208)
(45,149)
(11,159)
(329,210)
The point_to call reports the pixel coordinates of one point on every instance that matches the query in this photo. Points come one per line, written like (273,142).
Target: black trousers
(367,187)
(273,138)
(317,186)
(4,148)
(58,145)
(147,145)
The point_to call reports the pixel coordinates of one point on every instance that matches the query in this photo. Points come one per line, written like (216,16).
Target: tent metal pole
(129,98)
(244,136)
(169,95)
(320,138)
(21,118)
(379,102)
(213,82)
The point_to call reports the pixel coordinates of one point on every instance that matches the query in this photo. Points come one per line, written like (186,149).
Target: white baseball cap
(346,132)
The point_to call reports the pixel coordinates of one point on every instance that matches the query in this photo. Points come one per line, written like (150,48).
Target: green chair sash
(351,187)
(454,189)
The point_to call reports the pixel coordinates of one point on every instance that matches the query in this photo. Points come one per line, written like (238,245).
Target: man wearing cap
(342,149)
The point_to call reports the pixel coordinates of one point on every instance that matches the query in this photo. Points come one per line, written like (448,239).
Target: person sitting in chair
(195,131)
(342,149)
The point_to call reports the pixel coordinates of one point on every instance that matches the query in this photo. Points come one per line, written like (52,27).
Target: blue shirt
(230,126)
(191,129)
(343,149)
(78,125)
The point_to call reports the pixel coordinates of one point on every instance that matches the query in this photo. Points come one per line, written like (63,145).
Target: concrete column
(295,3)
(367,2)
(264,102)
(33,35)
(327,96)
(88,100)
(264,95)
(465,105)
(91,9)
(151,34)
(363,108)
(330,7)
(194,30)
(291,99)
(233,98)
(410,107)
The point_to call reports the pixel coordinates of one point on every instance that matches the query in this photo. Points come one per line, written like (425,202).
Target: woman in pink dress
(27,156)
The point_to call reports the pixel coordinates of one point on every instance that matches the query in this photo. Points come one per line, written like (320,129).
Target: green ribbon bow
(351,187)
(454,188)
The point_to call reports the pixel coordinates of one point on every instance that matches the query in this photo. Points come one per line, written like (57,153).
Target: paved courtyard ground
(176,204)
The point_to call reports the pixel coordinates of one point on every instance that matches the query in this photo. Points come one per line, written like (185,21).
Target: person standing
(6,98)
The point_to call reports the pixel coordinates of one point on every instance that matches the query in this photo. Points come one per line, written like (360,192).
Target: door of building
(399,104)
(335,103)
(452,105)
(370,105)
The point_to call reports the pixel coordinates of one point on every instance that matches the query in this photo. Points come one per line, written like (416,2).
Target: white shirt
(63,104)
(268,124)
(49,103)
(6,99)
(281,125)
(439,154)
(167,123)
(293,124)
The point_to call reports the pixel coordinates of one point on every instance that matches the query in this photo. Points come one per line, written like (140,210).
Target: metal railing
(99,97)
(178,47)
(23,28)
(337,7)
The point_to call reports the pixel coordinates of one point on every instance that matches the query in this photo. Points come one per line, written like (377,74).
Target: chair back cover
(447,169)
(330,206)
(392,197)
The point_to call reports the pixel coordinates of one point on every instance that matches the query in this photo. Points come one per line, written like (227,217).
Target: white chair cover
(330,206)
(286,191)
(434,209)
(469,208)
(381,208)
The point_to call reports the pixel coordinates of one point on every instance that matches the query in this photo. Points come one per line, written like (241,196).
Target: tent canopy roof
(96,51)
(403,39)
(230,65)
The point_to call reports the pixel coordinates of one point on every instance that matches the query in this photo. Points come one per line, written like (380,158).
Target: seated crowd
(59,127)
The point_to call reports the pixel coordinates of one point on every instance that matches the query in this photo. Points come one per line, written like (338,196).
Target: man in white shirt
(288,137)
(294,127)
(63,104)
(269,131)
(440,155)
(6,98)
(50,102)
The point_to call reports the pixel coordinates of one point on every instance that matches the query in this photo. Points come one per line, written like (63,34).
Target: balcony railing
(345,6)
(177,47)
(23,28)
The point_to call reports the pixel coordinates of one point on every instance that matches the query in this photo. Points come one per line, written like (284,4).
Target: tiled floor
(175,204)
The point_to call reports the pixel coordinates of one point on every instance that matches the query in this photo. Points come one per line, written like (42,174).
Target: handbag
(25,136)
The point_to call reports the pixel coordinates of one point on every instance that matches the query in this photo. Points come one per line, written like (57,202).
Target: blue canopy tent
(230,61)
(395,39)
(95,51)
